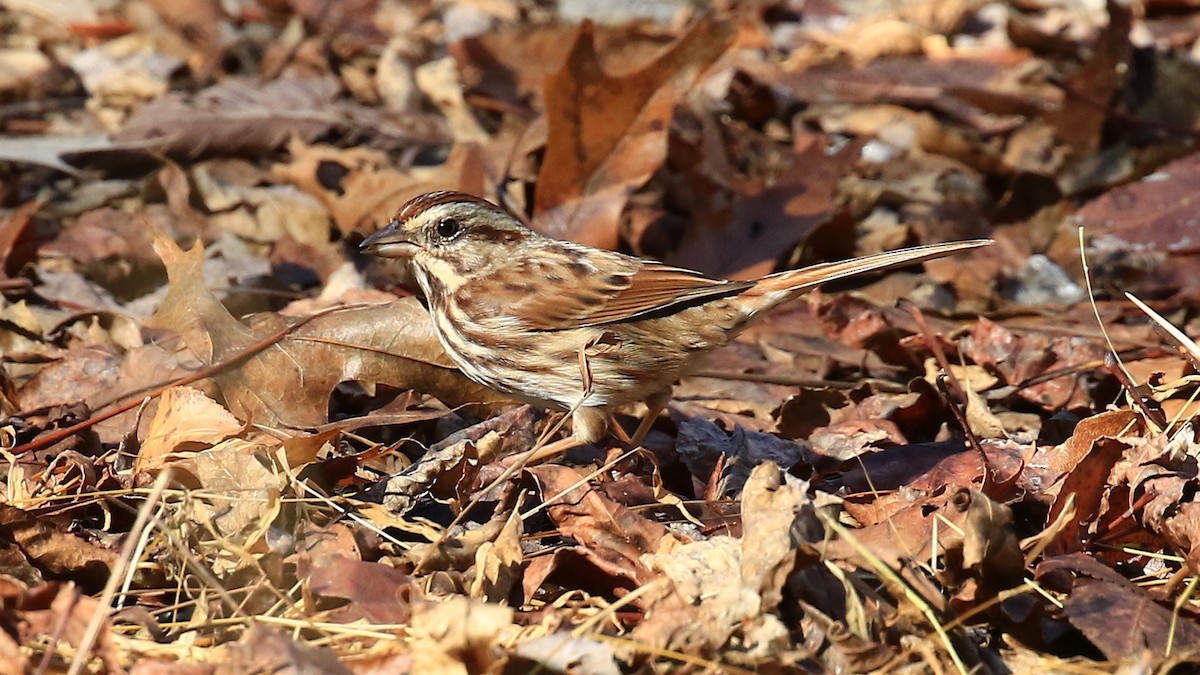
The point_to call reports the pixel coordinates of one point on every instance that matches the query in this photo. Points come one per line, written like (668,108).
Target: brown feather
(657,288)
(598,289)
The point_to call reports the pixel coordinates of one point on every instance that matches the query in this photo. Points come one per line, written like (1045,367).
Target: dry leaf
(186,421)
(290,381)
(608,135)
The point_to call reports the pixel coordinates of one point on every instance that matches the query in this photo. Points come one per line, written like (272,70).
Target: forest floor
(232,443)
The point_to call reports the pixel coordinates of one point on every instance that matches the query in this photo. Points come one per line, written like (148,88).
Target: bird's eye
(448,227)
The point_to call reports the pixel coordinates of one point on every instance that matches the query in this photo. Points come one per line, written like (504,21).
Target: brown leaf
(53,550)
(990,555)
(959,88)
(704,603)
(290,382)
(607,135)
(113,247)
(741,232)
(80,375)
(1019,356)
(186,420)
(498,562)
(1154,214)
(361,590)
(458,636)
(59,612)
(455,465)
(511,64)
(608,535)
(773,504)
(235,117)
(723,586)
(1051,464)
(11,230)
(266,650)
(1088,92)
(1117,616)
(244,485)
(1084,487)
(1163,482)
(361,188)
(563,652)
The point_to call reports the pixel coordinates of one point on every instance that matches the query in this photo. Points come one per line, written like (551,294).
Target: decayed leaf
(267,650)
(54,551)
(1055,462)
(772,504)
(241,488)
(565,653)
(1018,357)
(359,590)
(1083,488)
(702,445)
(262,214)
(458,636)
(608,135)
(970,533)
(498,562)
(740,229)
(80,374)
(290,381)
(510,64)
(607,535)
(451,468)
(1118,617)
(60,612)
(11,229)
(723,586)
(1162,480)
(235,117)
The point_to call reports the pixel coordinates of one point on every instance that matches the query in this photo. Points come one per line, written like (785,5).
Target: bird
(578,329)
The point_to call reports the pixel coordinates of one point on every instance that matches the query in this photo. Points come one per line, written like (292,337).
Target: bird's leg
(588,425)
(655,404)
(619,432)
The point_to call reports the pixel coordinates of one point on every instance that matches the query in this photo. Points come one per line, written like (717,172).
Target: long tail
(792,283)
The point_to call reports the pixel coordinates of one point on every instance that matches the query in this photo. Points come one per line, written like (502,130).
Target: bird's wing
(571,291)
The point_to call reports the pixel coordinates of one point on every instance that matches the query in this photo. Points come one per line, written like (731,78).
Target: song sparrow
(574,328)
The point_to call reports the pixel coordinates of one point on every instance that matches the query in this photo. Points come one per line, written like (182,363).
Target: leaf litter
(232,444)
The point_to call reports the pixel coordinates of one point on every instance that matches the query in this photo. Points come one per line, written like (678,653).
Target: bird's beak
(390,242)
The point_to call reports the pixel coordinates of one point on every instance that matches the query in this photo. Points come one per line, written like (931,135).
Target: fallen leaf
(1083,488)
(186,421)
(266,650)
(290,382)
(59,612)
(361,188)
(235,117)
(241,489)
(606,534)
(354,590)
(458,636)
(608,135)
(1119,618)
(55,551)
